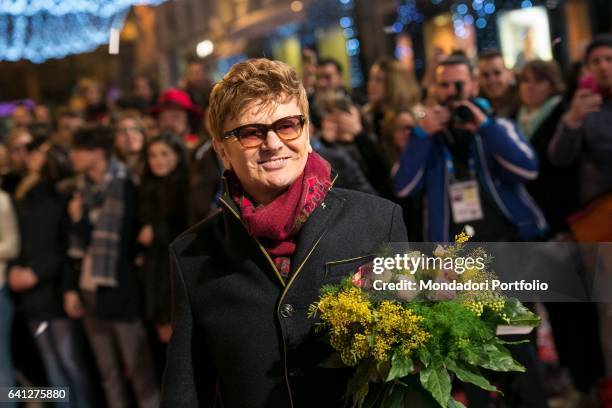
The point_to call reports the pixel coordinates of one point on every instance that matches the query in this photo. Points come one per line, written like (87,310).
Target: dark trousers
(121,347)
(62,353)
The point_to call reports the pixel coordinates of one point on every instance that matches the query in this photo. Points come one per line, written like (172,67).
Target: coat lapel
(314,229)
(265,262)
(311,233)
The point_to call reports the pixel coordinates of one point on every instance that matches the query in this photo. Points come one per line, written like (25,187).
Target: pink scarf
(278,223)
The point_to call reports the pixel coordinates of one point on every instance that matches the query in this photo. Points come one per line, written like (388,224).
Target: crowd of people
(92,193)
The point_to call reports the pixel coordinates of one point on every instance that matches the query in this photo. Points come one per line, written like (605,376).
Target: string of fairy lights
(38,30)
(480,14)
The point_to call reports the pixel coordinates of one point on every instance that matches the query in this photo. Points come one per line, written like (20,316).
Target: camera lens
(462,114)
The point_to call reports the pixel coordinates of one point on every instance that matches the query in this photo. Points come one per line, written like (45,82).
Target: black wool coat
(556,190)
(43,226)
(242,338)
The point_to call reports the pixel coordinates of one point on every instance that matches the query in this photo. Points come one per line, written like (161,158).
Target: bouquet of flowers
(403,343)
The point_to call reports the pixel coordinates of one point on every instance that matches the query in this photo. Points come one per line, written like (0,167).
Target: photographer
(473,167)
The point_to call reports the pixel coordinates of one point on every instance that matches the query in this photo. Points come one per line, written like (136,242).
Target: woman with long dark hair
(129,141)
(164,215)
(555,190)
(391,86)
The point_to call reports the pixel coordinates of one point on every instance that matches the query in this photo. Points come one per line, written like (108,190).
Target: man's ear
(222,153)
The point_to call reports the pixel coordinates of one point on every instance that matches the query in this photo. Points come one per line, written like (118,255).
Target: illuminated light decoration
(101,8)
(481,23)
(44,36)
(468,19)
(462,9)
(205,48)
(346,22)
(38,30)
(113,41)
(297,6)
(409,18)
(489,8)
(459,27)
(287,30)
(526,4)
(408,13)
(353,47)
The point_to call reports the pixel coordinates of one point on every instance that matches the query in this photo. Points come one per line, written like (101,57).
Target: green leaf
(519,315)
(453,403)
(333,361)
(492,357)
(435,379)
(401,366)
(468,374)
(424,356)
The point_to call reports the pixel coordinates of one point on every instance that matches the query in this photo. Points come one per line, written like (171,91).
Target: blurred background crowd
(106,158)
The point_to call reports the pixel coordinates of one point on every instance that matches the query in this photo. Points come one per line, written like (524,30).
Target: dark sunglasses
(253,135)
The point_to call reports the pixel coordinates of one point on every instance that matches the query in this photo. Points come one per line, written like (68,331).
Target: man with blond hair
(243,279)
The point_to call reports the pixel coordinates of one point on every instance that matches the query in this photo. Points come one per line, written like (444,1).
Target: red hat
(176,98)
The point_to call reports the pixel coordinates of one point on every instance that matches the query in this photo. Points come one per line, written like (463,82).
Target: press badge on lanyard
(464,195)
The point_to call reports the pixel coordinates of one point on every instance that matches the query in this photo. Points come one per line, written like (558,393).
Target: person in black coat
(35,276)
(555,190)
(164,215)
(243,279)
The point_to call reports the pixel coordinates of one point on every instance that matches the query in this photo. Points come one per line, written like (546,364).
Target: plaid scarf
(106,200)
(278,223)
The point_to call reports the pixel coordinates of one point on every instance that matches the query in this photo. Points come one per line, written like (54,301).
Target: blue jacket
(503,159)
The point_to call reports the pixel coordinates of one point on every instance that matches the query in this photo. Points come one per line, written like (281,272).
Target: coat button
(286,310)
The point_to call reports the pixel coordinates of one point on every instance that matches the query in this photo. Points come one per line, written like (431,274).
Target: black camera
(460,115)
